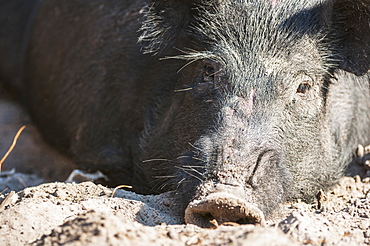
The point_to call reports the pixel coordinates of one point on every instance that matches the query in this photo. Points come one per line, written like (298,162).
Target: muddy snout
(219,208)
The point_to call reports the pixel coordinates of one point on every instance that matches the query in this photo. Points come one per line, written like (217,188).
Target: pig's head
(245,125)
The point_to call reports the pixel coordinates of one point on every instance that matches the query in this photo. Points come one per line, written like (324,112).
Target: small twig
(119,187)
(12,146)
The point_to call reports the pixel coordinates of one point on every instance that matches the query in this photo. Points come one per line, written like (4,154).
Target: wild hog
(238,105)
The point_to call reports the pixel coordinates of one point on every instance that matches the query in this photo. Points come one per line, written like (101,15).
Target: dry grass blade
(119,187)
(12,146)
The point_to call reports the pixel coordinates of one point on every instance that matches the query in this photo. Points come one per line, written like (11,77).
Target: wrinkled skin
(255,103)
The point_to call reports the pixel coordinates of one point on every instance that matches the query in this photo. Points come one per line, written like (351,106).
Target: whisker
(183,156)
(190,174)
(179,183)
(194,146)
(149,160)
(198,159)
(163,185)
(195,166)
(187,64)
(196,171)
(185,89)
(163,177)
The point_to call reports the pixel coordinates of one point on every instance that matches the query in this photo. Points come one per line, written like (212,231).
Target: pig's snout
(218,208)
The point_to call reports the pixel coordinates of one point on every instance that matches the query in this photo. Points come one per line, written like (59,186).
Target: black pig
(238,105)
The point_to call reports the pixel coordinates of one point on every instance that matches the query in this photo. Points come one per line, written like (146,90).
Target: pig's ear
(351,30)
(167,22)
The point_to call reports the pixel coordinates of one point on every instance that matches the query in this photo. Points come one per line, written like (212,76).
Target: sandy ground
(87,214)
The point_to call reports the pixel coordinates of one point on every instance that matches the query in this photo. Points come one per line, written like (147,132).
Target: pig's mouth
(222,208)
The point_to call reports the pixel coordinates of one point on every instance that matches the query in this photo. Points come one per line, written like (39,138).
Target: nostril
(249,220)
(219,208)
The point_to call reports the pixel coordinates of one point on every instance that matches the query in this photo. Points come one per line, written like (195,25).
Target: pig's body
(251,108)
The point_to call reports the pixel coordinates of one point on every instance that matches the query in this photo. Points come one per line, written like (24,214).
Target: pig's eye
(205,82)
(208,74)
(303,87)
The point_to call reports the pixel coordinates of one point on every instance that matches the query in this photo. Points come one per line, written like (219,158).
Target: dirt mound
(87,214)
